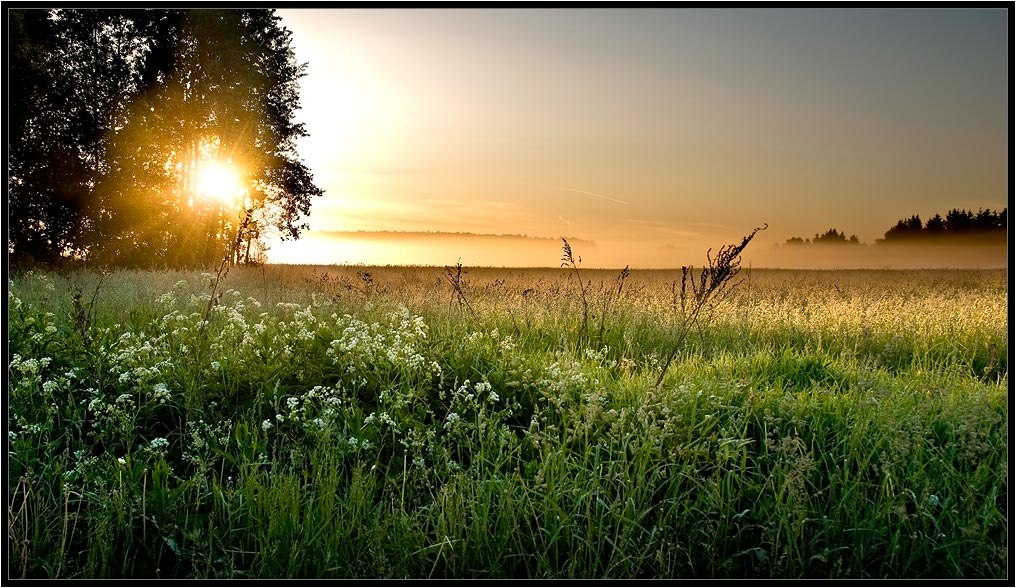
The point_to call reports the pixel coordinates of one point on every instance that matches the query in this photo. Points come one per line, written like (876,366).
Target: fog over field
(442,248)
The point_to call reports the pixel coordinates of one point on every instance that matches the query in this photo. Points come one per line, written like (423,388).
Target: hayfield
(338,422)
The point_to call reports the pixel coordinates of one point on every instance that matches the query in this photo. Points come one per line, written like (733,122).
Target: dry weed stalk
(454,275)
(568,260)
(223,269)
(608,298)
(84,314)
(700,294)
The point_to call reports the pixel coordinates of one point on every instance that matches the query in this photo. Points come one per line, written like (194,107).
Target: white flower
(266,424)
(451,419)
(121,461)
(216,365)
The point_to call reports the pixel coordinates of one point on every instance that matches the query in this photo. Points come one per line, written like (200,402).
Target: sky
(649,135)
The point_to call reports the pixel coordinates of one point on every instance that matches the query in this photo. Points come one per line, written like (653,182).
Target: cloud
(595,194)
(665,228)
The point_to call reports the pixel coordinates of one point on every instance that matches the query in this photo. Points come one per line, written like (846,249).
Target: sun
(219,181)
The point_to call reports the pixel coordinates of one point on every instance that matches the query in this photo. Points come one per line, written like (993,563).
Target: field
(345,422)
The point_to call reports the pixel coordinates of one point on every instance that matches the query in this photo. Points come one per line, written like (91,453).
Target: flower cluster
(375,349)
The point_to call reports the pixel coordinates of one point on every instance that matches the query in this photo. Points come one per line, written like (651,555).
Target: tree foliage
(117,112)
(985,226)
(830,237)
(957,223)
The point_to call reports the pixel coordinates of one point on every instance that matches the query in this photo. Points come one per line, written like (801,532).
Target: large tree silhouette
(120,110)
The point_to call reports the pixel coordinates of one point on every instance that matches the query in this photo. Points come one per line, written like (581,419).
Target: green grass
(321,425)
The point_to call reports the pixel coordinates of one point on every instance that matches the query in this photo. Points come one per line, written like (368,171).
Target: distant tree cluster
(985,225)
(957,223)
(114,112)
(830,237)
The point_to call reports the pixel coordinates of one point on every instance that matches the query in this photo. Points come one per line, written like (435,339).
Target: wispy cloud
(664,228)
(595,194)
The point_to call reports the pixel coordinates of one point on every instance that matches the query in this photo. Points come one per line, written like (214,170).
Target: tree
(77,69)
(959,221)
(905,229)
(230,96)
(128,105)
(958,225)
(935,225)
(45,177)
(830,237)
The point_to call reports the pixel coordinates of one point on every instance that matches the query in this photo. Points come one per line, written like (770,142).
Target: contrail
(595,194)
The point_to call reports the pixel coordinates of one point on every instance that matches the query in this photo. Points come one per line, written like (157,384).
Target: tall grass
(354,424)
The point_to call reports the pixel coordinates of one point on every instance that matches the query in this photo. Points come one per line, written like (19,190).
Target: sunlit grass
(363,422)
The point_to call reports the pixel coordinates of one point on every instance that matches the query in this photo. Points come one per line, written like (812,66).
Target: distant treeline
(830,237)
(957,224)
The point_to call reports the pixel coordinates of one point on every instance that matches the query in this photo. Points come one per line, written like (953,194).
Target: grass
(409,423)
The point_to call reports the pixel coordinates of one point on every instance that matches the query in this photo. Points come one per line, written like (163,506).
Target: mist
(443,248)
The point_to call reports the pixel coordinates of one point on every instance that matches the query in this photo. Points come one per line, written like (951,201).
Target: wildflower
(160,393)
(266,424)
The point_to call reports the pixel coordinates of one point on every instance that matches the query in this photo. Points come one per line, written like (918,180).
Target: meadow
(365,422)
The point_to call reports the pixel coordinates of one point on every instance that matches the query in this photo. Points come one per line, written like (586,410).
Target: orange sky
(654,134)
